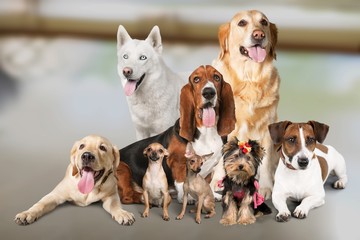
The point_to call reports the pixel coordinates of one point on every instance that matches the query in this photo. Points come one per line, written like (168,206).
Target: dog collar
(105,178)
(289,166)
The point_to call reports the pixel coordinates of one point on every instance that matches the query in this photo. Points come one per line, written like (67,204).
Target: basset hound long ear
(227,118)
(273,38)
(72,158)
(223,36)
(320,130)
(116,155)
(187,113)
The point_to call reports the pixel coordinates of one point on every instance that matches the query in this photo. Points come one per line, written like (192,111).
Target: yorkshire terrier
(241,200)
(196,186)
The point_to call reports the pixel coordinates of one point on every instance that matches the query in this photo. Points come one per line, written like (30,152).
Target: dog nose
(87,158)
(241,166)
(258,35)
(303,162)
(127,71)
(208,93)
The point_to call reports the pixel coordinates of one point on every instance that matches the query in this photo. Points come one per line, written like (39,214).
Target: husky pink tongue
(257,53)
(130,87)
(208,117)
(86,183)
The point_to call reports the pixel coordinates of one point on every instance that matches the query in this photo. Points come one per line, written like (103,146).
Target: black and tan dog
(241,200)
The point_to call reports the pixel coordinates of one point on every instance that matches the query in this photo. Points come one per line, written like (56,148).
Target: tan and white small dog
(89,178)
(196,186)
(304,166)
(155,184)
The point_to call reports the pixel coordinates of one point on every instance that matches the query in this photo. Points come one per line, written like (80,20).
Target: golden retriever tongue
(208,117)
(257,54)
(86,183)
(130,87)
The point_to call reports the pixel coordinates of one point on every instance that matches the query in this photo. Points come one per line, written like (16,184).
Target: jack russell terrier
(304,167)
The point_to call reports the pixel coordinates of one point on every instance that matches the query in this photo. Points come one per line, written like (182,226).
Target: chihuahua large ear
(227,118)
(154,39)
(320,130)
(277,131)
(207,156)
(116,154)
(273,39)
(72,158)
(223,36)
(187,113)
(122,36)
(189,152)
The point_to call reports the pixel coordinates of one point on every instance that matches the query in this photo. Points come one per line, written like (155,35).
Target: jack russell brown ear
(277,131)
(320,130)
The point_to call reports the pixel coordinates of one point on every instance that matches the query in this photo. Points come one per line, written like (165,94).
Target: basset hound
(207,116)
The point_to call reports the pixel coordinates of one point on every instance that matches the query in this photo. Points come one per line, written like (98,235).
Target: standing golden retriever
(89,178)
(247,45)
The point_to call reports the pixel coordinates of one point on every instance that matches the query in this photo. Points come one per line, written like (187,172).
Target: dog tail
(263,208)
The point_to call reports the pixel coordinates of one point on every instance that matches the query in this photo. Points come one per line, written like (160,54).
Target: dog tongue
(257,53)
(130,87)
(208,117)
(86,183)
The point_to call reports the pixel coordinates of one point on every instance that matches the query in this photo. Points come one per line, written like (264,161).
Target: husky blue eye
(125,56)
(143,57)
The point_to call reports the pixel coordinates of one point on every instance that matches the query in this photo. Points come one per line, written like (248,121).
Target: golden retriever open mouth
(256,53)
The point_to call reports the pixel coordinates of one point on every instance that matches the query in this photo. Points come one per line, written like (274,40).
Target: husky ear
(116,154)
(187,113)
(122,36)
(223,36)
(72,158)
(154,39)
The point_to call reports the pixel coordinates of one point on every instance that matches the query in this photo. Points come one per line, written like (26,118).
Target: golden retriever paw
(124,218)
(25,218)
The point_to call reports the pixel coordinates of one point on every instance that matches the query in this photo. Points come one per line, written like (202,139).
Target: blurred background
(59,83)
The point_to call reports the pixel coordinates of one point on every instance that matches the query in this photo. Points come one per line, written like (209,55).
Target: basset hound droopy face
(206,101)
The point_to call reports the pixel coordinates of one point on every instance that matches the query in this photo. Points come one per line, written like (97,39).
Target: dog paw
(265,192)
(145,214)
(124,217)
(246,221)
(283,217)
(179,217)
(300,213)
(227,222)
(25,218)
(198,220)
(339,184)
(166,218)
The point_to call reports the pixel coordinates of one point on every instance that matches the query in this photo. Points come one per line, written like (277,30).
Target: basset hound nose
(127,71)
(258,35)
(87,158)
(208,93)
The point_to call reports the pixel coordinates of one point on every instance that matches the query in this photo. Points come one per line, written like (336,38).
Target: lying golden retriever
(247,46)
(89,178)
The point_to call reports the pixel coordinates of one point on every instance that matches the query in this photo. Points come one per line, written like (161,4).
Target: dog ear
(166,153)
(72,158)
(277,131)
(189,152)
(154,39)
(227,118)
(257,151)
(207,156)
(122,36)
(273,38)
(145,151)
(223,36)
(320,130)
(187,113)
(116,155)
(228,147)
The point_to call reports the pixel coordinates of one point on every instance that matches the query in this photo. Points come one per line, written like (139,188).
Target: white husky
(152,89)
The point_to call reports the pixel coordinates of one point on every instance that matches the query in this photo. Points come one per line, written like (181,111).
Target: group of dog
(214,138)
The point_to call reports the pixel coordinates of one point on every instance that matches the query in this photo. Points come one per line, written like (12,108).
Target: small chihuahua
(155,183)
(196,186)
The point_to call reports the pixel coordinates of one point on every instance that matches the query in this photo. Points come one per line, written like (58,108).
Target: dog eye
(196,79)
(291,140)
(264,22)
(242,23)
(102,148)
(161,151)
(201,163)
(192,161)
(248,158)
(217,78)
(81,146)
(143,57)
(310,140)
(125,56)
